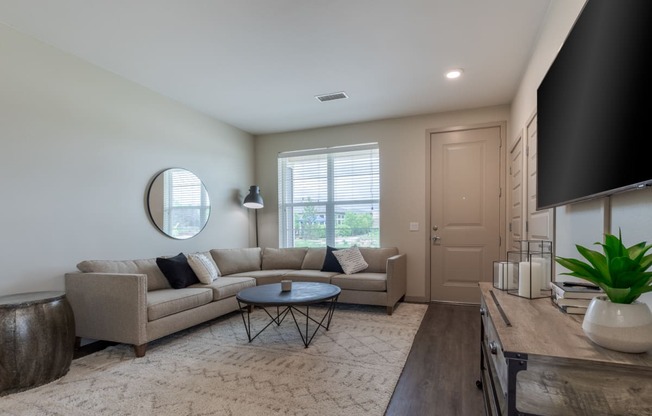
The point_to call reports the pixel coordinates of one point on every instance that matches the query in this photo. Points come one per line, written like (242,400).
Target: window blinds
(185,204)
(330,197)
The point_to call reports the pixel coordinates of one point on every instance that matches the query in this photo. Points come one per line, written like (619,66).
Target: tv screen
(593,104)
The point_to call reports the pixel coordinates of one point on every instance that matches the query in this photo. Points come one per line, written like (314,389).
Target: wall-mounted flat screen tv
(593,106)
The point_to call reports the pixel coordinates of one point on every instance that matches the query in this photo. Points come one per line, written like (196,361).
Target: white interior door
(516,194)
(540,224)
(465,211)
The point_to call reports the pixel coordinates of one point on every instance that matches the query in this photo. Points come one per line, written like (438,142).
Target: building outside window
(330,196)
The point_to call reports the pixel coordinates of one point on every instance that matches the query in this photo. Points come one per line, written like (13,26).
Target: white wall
(402,144)
(582,223)
(78,147)
(631,212)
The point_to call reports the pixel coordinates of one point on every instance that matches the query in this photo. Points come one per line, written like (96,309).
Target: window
(329,197)
(186,205)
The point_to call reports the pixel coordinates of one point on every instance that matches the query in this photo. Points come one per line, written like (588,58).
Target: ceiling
(258,64)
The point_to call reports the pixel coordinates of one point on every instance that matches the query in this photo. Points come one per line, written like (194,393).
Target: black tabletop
(302,293)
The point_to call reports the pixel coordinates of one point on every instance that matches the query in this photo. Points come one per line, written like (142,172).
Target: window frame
(332,218)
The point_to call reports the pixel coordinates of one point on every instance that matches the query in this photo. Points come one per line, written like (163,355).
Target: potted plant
(616,320)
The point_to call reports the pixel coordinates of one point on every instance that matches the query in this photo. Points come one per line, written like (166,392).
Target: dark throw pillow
(330,262)
(177,270)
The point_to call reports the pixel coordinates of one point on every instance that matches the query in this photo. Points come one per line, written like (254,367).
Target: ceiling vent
(331,96)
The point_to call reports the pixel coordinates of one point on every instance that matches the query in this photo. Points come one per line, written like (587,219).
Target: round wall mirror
(178,203)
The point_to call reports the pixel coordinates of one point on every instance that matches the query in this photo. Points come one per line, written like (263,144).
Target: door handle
(435,238)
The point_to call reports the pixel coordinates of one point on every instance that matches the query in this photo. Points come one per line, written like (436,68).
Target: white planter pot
(617,326)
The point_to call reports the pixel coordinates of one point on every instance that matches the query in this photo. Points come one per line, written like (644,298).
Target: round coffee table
(302,294)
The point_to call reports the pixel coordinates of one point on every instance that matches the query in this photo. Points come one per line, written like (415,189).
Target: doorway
(465,211)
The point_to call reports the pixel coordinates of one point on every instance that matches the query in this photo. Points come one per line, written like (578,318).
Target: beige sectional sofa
(132,302)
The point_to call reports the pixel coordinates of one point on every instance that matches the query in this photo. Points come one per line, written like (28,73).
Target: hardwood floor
(441,369)
(443,365)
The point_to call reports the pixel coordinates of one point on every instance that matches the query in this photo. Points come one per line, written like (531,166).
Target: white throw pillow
(351,260)
(205,269)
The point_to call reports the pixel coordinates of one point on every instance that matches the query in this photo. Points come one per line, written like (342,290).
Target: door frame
(517,141)
(526,169)
(502,226)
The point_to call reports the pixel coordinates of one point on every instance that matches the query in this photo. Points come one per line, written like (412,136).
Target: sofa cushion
(155,278)
(376,282)
(227,286)
(236,260)
(351,260)
(177,270)
(283,258)
(265,277)
(165,302)
(330,262)
(314,259)
(309,276)
(204,267)
(377,258)
(263,273)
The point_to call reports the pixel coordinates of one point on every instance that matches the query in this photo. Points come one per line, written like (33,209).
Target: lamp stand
(256,212)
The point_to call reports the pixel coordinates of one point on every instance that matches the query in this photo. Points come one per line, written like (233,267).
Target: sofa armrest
(109,306)
(396,280)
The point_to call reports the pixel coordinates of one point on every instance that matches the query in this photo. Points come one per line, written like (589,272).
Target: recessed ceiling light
(455,73)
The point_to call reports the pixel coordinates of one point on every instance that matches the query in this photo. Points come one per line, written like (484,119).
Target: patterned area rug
(212,369)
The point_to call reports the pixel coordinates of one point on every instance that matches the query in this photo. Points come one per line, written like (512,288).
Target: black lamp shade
(253,200)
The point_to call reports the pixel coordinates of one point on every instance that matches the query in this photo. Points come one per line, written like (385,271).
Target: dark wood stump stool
(37,338)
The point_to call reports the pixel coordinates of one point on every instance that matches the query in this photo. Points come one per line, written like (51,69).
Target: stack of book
(574,297)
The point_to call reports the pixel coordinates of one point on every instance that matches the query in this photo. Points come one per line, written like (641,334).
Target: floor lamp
(254,201)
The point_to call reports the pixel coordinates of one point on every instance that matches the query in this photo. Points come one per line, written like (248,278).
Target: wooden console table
(37,338)
(536,360)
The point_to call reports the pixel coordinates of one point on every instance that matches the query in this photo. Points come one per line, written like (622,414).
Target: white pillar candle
(536,278)
(498,275)
(504,275)
(512,282)
(529,279)
(501,275)
(524,279)
(545,275)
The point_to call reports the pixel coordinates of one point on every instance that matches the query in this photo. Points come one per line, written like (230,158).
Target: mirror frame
(156,204)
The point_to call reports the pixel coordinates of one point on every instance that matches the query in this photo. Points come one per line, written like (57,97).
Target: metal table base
(282,312)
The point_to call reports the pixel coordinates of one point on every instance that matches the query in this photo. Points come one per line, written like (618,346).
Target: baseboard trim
(416,299)
(456,303)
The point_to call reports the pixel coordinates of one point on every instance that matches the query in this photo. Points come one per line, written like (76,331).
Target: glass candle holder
(532,269)
(505,277)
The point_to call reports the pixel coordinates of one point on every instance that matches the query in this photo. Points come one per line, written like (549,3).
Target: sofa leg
(139,350)
(390,309)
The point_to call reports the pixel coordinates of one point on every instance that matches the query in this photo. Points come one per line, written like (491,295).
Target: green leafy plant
(621,271)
